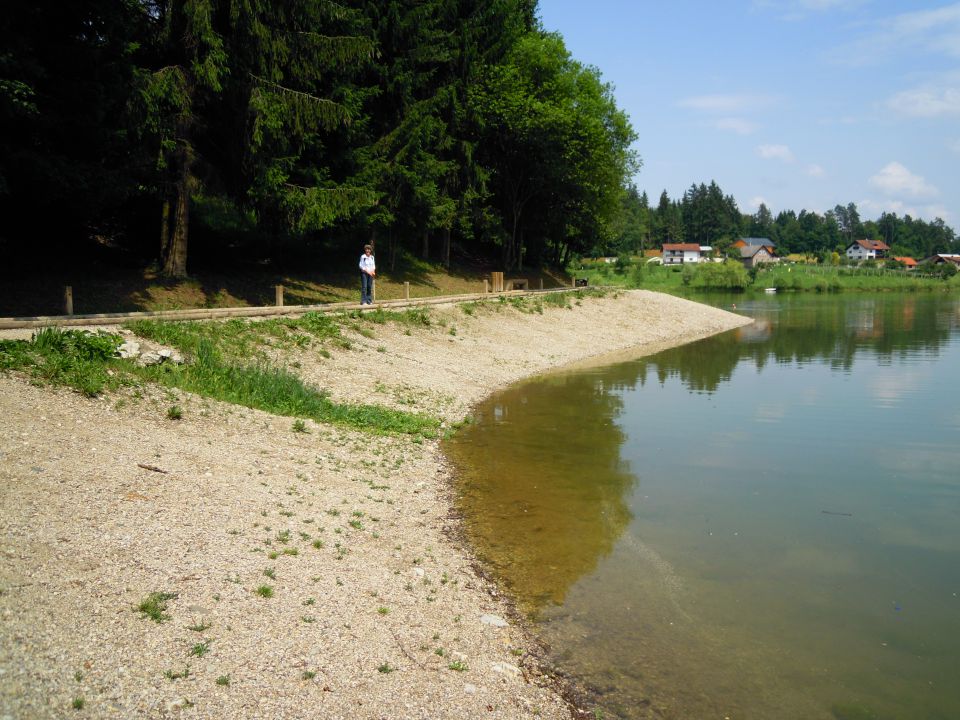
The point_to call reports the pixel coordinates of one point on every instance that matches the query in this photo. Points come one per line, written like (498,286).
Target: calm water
(765,524)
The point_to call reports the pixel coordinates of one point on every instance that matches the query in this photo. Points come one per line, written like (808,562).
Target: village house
(941,258)
(867,250)
(753,255)
(908,262)
(756,242)
(680,253)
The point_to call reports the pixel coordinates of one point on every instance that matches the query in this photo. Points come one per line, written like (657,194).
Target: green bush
(727,275)
(74,358)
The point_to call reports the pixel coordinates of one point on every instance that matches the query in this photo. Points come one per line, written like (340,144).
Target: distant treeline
(706,216)
(425,126)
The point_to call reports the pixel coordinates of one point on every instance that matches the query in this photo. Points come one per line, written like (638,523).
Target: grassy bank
(233,362)
(786,278)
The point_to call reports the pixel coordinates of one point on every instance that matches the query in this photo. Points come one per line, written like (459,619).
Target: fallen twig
(152,468)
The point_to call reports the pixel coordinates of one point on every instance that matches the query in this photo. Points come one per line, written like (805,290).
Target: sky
(799,104)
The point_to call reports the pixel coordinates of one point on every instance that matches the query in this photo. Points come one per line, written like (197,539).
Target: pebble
(505,668)
(494,620)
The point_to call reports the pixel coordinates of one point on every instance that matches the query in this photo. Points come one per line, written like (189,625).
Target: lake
(763,524)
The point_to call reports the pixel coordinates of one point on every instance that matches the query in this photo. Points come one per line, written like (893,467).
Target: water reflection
(663,519)
(539,523)
(810,329)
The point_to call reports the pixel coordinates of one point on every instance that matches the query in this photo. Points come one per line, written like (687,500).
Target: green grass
(215,372)
(785,277)
(154,606)
(200,649)
(75,358)
(818,278)
(171,675)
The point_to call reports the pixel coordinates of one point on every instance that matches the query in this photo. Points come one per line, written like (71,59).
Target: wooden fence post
(279,302)
(68,300)
(486,286)
(406,290)
(541,282)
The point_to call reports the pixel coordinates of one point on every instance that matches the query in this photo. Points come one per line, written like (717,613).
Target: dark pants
(366,289)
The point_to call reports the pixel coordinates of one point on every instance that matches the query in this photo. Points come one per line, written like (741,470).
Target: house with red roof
(908,262)
(867,250)
(680,253)
(941,258)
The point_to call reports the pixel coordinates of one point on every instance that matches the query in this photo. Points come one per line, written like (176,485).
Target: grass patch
(212,373)
(154,606)
(75,358)
(171,675)
(410,318)
(264,591)
(200,649)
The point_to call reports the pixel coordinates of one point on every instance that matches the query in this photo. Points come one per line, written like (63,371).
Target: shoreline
(382,611)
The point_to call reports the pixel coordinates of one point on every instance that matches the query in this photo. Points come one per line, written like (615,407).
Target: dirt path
(373,608)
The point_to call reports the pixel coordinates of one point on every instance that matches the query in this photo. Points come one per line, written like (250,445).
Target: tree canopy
(427,125)
(704,215)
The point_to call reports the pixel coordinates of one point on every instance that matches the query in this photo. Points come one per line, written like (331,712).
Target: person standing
(368,271)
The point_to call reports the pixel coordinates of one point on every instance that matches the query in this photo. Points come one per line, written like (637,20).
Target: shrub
(727,275)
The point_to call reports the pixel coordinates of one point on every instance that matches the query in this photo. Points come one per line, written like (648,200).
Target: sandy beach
(316,574)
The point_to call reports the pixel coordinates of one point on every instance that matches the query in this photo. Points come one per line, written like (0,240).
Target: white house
(680,253)
(867,249)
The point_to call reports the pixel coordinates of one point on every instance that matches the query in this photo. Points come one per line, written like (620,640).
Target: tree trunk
(165,226)
(175,262)
(426,245)
(391,251)
(446,248)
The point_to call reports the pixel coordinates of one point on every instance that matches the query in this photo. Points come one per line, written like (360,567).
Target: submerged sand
(375,607)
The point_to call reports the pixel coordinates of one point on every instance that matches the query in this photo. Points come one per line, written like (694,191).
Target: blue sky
(801,104)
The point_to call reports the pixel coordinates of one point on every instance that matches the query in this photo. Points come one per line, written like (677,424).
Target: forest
(706,216)
(177,127)
(180,131)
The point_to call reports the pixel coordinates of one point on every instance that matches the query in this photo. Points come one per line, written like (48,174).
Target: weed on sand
(214,371)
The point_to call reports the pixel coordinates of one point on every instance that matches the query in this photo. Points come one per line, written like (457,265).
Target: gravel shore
(312,574)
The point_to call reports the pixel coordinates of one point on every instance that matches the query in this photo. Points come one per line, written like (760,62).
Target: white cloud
(798,9)
(895,179)
(814,170)
(927,101)
(726,104)
(923,31)
(775,152)
(737,125)
(927,212)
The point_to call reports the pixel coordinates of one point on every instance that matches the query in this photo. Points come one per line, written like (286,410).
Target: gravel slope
(376,610)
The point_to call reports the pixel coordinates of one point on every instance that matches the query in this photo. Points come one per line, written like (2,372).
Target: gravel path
(375,610)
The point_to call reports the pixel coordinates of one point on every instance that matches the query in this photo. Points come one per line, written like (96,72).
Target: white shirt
(367,263)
